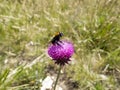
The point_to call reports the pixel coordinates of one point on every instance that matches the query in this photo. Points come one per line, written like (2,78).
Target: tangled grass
(26,27)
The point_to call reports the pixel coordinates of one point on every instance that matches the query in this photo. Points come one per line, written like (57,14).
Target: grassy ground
(26,27)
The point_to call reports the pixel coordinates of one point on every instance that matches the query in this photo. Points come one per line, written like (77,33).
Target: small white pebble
(59,88)
(103,77)
(6,61)
(47,83)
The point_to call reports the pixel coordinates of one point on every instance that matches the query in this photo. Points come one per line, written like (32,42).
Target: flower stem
(57,77)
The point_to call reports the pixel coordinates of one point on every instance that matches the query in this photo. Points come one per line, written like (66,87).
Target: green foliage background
(26,27)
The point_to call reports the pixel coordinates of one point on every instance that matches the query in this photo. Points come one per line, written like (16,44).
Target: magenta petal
(61,53)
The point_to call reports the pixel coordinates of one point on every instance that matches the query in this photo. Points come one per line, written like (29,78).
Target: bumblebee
(56,38)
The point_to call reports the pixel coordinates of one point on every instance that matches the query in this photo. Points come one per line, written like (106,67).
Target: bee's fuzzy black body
(56,38)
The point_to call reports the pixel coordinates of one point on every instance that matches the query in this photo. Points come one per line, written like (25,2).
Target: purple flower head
(61,52)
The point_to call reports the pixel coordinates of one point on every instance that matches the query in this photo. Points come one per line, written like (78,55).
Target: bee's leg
(61,42)
(57,43)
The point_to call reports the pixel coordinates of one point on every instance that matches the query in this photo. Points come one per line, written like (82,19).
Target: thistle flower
(61,52)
